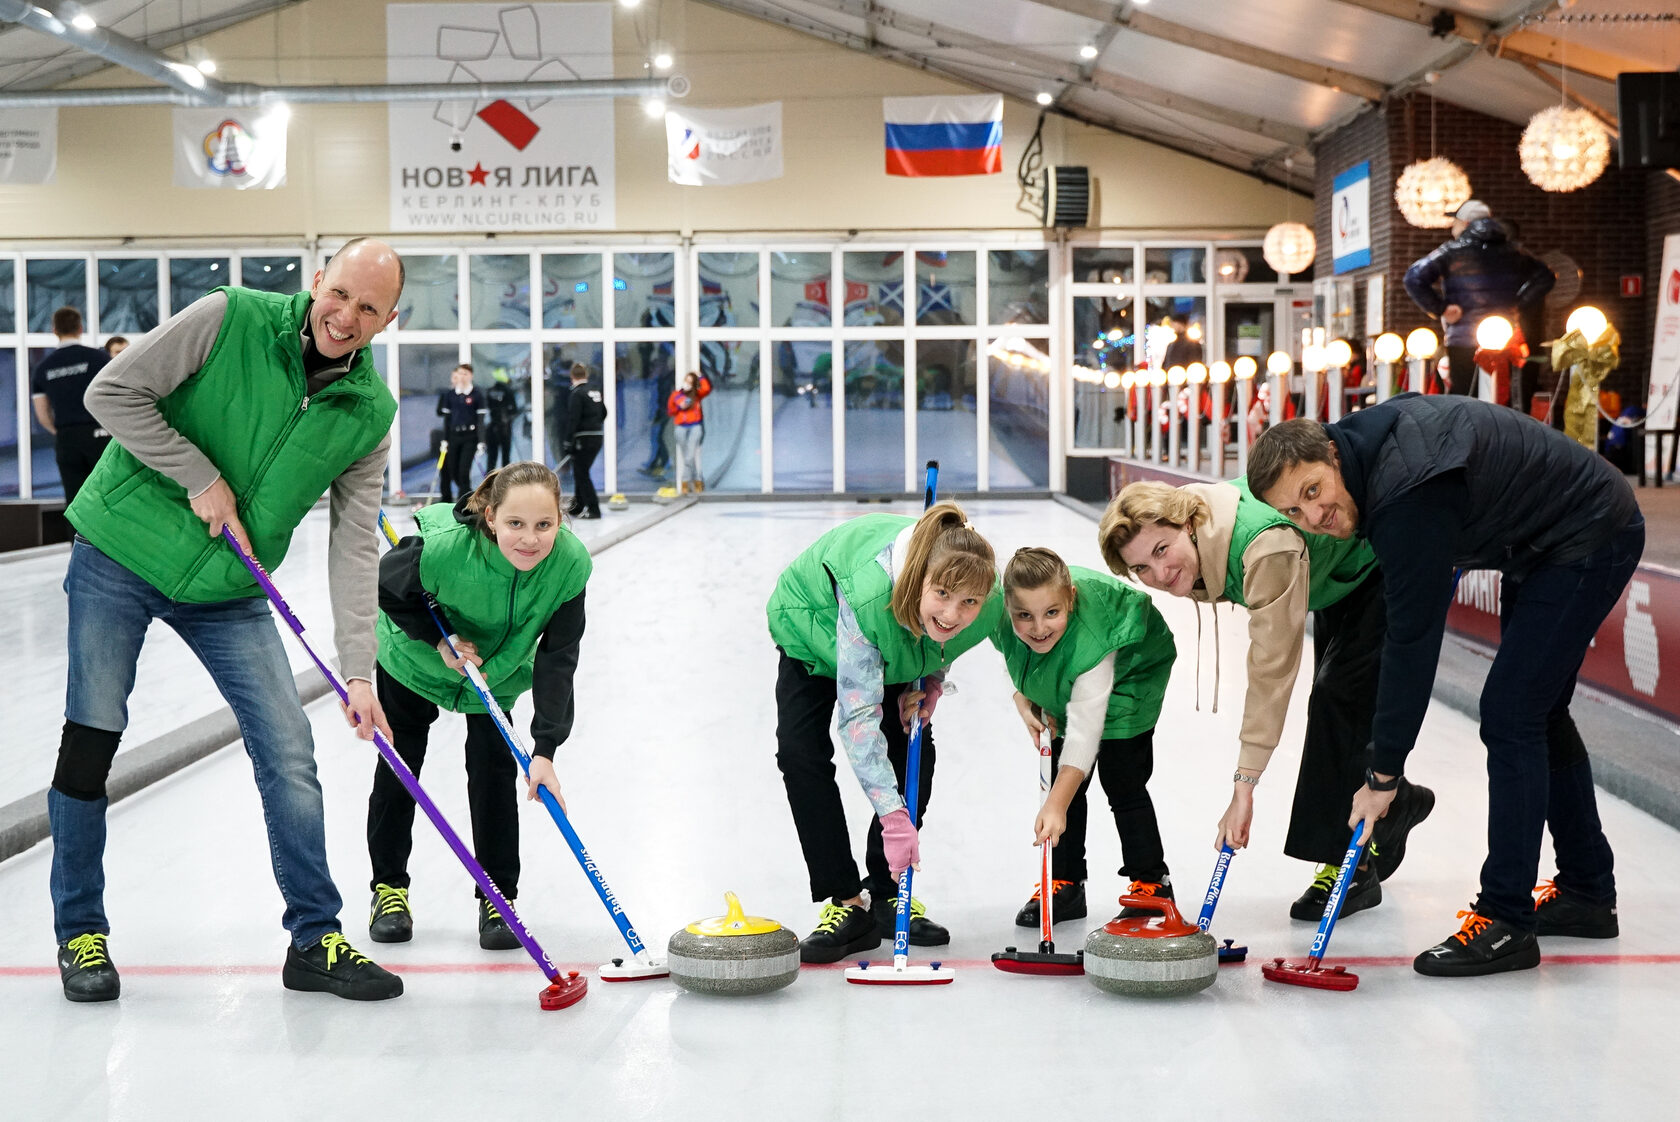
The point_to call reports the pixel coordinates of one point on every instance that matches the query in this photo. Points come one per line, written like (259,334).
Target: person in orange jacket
(690,422)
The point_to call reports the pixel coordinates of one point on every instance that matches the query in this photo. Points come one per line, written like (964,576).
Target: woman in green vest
(1217,543)
(1090,659)
(508,579)
(873,605)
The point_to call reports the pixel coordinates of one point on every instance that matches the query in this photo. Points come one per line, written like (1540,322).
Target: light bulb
(1245,367)
(206,66)
(81,21)
(1045,97)
(1128,380)
(1158,378)
(1422,343)
(1112,379)
(1197,372)
(1338,353)
(1493,333)
(1589,321)
(1279,362)
(1390,347)
(1089,51)
(1220,371)
(662,60)
(1312,358)
(653,107)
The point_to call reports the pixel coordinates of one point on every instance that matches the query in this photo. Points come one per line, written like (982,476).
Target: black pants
(1347,658)
(805,754)
(77,449)
(1124,766)
(584,498)
(498,447)
(492,793)
(1462,362)
(457,463)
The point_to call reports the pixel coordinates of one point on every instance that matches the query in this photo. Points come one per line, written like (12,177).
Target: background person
(57,387)
(459,406)
(689,419)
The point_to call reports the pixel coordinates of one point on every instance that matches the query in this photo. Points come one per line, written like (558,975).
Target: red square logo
(1633,285)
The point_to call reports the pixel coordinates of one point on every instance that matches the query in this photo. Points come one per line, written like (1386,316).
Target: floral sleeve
(860,677)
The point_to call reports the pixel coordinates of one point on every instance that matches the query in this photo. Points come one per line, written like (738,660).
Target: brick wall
(1662,216)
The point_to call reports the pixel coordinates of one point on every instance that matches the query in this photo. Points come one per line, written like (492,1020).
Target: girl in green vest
(508,579)
(1090,659)
(1217,543)
(873,605)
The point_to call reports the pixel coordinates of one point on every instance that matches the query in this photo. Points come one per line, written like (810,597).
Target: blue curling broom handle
(1211,900)
(1333,906)
(912,773)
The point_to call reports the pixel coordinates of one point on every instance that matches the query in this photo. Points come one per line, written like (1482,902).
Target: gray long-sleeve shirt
(123,398)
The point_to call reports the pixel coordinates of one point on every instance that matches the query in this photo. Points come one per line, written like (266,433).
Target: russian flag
(944,135)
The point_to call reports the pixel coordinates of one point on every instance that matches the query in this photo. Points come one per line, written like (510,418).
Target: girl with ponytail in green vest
(1217,543)
(872,606)
(508,581)
(1090,658)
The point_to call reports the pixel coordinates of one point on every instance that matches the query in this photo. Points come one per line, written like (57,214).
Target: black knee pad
(84,761)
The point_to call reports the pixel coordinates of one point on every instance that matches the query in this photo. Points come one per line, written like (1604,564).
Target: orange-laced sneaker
(1474,925)
(1161,888)
(1067,901)
(1544,893)
(1482,945)
(1563,911)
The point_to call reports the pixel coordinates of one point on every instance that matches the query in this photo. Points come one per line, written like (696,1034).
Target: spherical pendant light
(1289,247)
(1428,191)
(1563,149)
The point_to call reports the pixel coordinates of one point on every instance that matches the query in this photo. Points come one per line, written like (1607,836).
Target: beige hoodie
(1275,585)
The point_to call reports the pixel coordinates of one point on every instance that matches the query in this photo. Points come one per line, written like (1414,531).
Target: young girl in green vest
(1217,543)
(1090,659)
(508,579)
(872,606)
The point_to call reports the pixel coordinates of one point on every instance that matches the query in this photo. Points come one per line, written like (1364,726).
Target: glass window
(1104,334)
(1103,264)
(8,297)
(803,422)
(947,425)
(44,481)
(875,415)
(1018,286)
(874,289)
(8,424)
(571,290)
(642,292)
(1177,328)
(1242,264)
(273,274)
(128,295)
(799,290)
(499,290)
(506,364)
(429,299)
(1249,330)
(558,359)
(1187,265)
(54,284)
(191,277)
(1018,369)
(647,373)
(732,456)
(945,288)
(424,376)
(728,290)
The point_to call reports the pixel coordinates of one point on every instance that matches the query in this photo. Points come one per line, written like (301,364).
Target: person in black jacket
(501,406)
(57,385)
(459,406)
(586,420)
(1443,483)
(1480,273)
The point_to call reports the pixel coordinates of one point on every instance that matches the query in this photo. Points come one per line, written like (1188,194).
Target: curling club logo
(225,148)
(690,145)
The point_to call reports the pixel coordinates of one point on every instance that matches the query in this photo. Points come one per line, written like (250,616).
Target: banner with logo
(1350,219)
(500,164)
(723,147)
(230,149)
(1664,397)
(28,145)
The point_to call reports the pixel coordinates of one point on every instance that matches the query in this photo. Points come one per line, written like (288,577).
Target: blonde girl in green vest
(1217,543)
(1090,658)
(508,579)
(873,605)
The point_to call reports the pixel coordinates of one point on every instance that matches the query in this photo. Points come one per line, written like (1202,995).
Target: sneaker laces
(335,944)
(833,915)
(1474,925)
(1146,888)
(1038,893)
(89,950)
(490,912)
(388,901)
(1325,879)
(1546,891)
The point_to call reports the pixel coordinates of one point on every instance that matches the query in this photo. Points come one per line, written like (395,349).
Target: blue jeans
(1547,619)
(236,640)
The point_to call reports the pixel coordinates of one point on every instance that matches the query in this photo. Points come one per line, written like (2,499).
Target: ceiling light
(654,107)
(662,60)
(1563,149)
(1045,97)
(1088,51)
(629,3)
(1289,247)
(207,66)
(1429,191)
(81,21)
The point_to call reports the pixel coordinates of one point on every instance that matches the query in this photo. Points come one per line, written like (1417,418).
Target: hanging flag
(721,147)
(231,149)
(944,135)
(28,145)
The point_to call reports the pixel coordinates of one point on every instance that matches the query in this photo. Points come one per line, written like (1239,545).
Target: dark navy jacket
(1481,272)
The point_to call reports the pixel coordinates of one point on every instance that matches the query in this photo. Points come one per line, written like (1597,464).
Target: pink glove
(898,838)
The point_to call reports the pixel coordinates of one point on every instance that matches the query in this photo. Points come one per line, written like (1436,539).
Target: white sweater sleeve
(1087,713)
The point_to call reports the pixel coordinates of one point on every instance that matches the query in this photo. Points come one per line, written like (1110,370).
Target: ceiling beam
(1532,47)
(1442,22)
(1608,120)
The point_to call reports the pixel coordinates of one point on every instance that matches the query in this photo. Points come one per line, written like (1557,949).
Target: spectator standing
(459,406)
(56,387)
(501,406)
(586,421)
(689,419)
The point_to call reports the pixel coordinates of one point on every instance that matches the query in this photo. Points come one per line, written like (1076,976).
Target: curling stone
(733,954)
(618,502)
(665,496)
(1151,956)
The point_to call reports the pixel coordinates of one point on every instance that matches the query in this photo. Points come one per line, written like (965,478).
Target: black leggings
(1124,766)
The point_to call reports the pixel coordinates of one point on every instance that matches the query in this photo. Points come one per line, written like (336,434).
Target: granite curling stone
(733,954)
(1151,956)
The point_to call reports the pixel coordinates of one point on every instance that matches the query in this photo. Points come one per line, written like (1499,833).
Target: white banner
(721,147)
(519,164)
(1350,219)
(230,149)
(28,145)
(1665,345)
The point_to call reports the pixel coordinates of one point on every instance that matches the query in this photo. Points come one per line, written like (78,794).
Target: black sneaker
(332,965)
(1365,892)
(1162,888)
(86,969)
(1481,946)
(923,931)
(1561,912)
(494,933)
(1067,901)
(842,929)
(389,918)
(1411,805)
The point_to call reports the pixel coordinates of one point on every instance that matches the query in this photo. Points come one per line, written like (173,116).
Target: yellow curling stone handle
(736,922)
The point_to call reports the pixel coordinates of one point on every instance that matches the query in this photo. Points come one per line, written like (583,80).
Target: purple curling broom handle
(402,772)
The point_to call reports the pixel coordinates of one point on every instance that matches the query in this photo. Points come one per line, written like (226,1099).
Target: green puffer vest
(804,613)
(277,449)
(499,609)
(1107,616)
(1336,566)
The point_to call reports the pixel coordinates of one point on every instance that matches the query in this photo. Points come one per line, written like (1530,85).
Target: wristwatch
(1376,784)
(1239,777)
